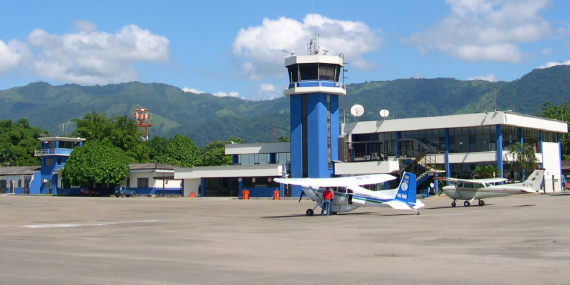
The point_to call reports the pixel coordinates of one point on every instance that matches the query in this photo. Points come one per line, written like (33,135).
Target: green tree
(120,131)
(215,152)
(95,162)
(561,113)
(18,143)
(181,151)
(486,171)
(524,157)
(157,147)
(283,139)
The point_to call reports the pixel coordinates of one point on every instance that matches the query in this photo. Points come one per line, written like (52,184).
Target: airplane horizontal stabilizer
(419,204)
(398,205)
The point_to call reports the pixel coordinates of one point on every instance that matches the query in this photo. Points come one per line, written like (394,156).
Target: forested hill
(204,117)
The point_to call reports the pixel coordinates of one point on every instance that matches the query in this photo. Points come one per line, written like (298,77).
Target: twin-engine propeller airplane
(349,195)
(469,190)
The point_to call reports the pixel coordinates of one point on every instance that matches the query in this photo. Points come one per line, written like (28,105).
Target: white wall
(191,186)
(551,162)
(152,183)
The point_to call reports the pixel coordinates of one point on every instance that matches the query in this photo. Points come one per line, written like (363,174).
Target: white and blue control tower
(314,91)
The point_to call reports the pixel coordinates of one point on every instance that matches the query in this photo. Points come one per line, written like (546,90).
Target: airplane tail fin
(535,179)
(407,189)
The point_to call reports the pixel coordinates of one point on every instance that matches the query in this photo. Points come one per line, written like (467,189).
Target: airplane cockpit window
(487,184)
(478,185)
(468,185)
(459,184)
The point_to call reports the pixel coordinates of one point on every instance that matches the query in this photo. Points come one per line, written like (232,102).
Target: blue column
(295,103)
(446,156)
(203,187)
(240,187)
(540,140)
(500,151)
(521,139)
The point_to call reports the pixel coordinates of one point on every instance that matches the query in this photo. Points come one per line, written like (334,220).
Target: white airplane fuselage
(342,202)
(461,193)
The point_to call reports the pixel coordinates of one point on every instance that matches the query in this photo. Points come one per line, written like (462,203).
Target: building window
(49,161)
(142,182)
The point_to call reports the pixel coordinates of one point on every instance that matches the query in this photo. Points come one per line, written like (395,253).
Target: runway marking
(47,226)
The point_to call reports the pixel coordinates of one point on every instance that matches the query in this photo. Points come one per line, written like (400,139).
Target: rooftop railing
(53,151)
(315,83)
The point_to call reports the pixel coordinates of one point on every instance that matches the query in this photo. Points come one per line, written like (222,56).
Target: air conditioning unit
(367,157)
(374,156)
(45,180)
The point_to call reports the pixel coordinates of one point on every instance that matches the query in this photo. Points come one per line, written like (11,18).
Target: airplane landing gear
(453,204)
(309,212)
(466,204)
(417,213)
(481,203)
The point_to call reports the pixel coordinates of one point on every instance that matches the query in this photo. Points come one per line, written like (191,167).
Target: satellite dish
(384,113)
(357,110)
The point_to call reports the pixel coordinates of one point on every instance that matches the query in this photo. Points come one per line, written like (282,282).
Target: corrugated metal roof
(19,170)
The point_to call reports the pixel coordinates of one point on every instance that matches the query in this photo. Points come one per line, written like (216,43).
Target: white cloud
(192,90)
(224,94)
(93,57)
(486,30)
(551,64)
(546,51)
(12,55)
(266,91)
(491,78)
(258,50)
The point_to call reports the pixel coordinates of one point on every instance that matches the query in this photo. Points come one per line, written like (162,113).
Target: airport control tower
(314,90)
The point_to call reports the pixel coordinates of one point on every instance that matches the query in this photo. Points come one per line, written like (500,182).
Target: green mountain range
(204,117)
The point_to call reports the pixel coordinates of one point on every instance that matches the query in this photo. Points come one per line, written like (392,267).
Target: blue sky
(233,48)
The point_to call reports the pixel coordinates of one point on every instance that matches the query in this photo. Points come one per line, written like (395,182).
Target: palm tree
(486,171)
(523,154)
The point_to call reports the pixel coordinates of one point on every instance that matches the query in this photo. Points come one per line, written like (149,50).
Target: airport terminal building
(321,146)
(449,146)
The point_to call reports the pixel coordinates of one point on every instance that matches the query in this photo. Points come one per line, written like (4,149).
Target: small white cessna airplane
(349,195)
(469,190)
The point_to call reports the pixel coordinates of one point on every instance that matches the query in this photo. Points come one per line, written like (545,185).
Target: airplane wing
(484,180)
(337,181)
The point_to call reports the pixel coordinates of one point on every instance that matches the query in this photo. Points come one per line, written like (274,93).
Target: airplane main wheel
(417,213)
(481,203)
(309,212)
(466,204)
(334,213)
(453,204)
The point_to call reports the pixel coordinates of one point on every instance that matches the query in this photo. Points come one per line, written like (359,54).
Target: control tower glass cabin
(314,90)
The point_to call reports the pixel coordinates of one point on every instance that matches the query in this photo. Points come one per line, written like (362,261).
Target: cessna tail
(534,181)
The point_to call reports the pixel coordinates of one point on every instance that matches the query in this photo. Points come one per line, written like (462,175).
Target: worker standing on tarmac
(328,195)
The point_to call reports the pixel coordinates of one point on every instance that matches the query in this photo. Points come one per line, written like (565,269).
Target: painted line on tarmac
(47,226)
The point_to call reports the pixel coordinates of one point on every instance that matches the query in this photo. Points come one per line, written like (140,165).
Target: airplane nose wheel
(481,203)
(466,204)
(453,204)
(309,212)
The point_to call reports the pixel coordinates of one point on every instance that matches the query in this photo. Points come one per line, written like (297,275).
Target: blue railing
(315,83)
(53,151)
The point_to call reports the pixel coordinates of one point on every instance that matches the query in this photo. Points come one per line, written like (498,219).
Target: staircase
(422,162)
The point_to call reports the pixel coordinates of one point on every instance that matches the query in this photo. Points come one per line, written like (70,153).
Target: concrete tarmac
(81,240)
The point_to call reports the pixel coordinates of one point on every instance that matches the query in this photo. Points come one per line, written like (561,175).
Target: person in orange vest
(328,195)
